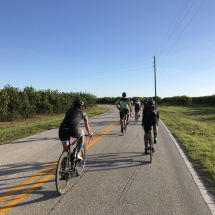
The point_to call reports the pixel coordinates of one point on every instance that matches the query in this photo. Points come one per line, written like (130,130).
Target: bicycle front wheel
(80,164)
(62,173)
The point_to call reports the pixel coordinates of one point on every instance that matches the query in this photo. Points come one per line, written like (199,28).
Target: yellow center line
(17,199)
(27,192)
(40,173)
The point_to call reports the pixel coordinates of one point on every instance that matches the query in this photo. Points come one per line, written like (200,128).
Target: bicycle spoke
(62,173)
(80,164)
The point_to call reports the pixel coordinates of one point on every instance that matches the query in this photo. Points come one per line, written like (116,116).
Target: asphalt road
(118,178)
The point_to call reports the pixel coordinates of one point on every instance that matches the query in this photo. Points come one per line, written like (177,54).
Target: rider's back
(150,114)
(73,117)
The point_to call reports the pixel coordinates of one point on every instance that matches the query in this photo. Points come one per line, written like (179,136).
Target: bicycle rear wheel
(151,145)
(62,176)
(80,164)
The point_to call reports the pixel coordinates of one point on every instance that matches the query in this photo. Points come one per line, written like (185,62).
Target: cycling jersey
(150,116)
(137,104)
(73,117)
(123,103)
(69,126)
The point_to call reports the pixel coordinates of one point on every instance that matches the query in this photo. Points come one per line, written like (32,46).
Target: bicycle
(150,145)
(137,116)
(124,123)
(73,166)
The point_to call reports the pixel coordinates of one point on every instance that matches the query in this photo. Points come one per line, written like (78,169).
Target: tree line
(175,100)
(16,103)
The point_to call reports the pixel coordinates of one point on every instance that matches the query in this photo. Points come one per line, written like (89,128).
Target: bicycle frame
(73,143)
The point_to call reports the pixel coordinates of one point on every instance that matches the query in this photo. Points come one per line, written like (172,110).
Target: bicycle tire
(151,151)
(123,126)
(80,164)
(62,178)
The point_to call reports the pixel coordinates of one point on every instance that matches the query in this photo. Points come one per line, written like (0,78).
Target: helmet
(124,94)
(150,102)
(78,102)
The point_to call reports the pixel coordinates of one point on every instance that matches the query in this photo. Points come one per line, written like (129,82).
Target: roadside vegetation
(194,127)
(17,129)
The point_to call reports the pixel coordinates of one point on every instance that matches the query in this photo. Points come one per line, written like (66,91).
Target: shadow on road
(110,161)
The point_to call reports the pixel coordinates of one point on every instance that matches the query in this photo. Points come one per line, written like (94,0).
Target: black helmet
(124,94)
(150,102)
(78,102)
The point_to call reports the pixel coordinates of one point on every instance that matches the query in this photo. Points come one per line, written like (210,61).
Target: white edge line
(196,178)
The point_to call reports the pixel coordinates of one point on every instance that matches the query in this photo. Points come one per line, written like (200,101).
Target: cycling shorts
(137,108)
(148,124)
(66,132)
(123,112)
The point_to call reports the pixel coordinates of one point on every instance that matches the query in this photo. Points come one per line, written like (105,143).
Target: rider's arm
(116,103)
(87,127)
(86,123)
(129,104)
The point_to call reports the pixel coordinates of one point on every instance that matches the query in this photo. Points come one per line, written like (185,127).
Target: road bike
(150,145)
(69,166)
(124,123)
(137,116)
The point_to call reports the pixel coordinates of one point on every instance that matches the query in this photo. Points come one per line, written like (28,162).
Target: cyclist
(145,103)
(137,108)
(124,104)
(131,103)
(150,118)
(131,106)
(69,126)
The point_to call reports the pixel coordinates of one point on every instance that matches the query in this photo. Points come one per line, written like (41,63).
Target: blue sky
(107,47)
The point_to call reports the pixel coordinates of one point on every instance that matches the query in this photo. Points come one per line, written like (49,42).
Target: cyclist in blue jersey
(137,108)
(124,104)
(69,126)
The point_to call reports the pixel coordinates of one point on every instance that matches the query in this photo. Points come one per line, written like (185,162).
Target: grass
(194,128)
(24,129)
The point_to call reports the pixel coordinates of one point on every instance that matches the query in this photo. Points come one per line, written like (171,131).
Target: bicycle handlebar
(90,140)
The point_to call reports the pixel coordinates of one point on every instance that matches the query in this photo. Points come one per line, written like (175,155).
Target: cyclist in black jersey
(145,103)
(69,126)
(150,118)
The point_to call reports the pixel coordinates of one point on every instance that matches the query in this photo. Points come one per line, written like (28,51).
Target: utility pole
(155,83)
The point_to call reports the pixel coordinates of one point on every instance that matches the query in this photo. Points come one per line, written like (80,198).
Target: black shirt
(150,114)
(73,117)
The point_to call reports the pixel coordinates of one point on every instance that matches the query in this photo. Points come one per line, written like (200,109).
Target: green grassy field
(194,128)
(23,129)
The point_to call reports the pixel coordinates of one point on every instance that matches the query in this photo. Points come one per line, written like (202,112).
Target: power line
(172,79)
(184,30)
(171,25)
(176,27)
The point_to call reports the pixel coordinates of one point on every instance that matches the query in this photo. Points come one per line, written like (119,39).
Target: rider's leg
(146,137)
(128,116)
(80,144)
(121,122)
(155,129)
(65,145)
